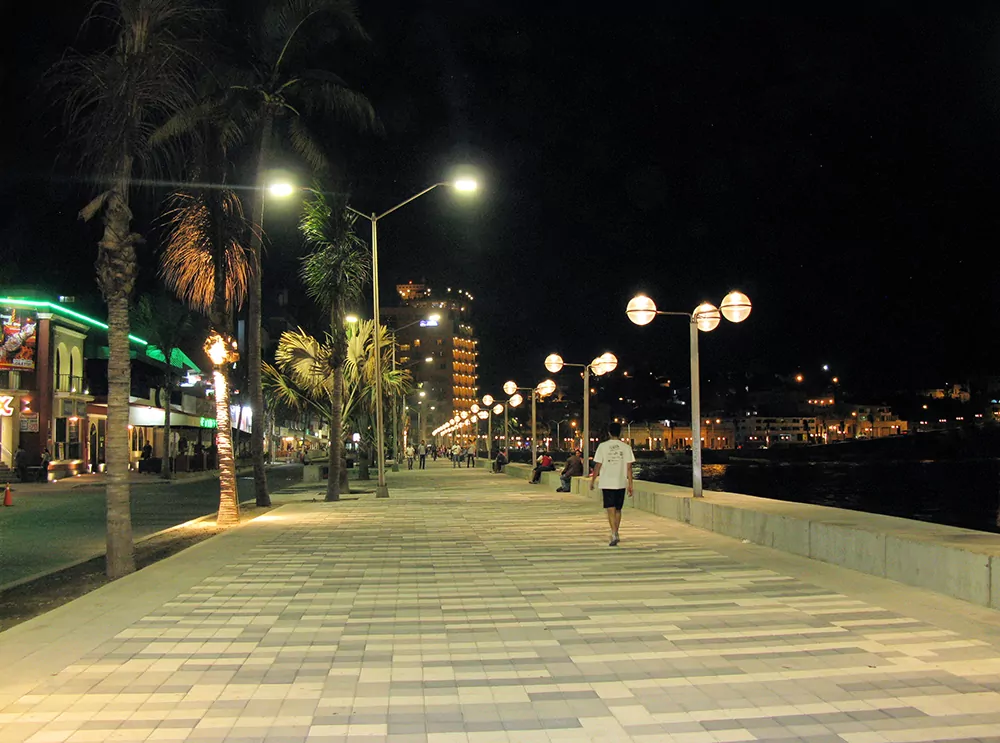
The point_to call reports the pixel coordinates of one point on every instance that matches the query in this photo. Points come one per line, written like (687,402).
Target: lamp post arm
(356,213)
(404,203)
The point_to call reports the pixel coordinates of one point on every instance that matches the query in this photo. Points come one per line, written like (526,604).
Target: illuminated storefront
(45,398)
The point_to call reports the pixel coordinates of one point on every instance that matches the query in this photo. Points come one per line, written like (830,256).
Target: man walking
(422,453)
(613,465)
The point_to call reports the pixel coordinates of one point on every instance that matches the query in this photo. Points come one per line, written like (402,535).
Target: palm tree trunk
(229,504)
(336,435)
(120,559)
(254,322)
(165,471)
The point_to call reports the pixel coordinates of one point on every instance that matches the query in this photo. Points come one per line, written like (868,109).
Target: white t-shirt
(615,457)
(409,452)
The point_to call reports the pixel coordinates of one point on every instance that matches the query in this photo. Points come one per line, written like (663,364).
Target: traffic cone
(8,500)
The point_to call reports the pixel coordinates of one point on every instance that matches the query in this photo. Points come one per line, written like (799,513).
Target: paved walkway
(477,608)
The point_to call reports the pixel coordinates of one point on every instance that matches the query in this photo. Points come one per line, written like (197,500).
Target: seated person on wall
(544,464)
(573,468)
(499,462)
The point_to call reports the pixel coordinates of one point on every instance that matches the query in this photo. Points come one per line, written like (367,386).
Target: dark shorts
(614,498)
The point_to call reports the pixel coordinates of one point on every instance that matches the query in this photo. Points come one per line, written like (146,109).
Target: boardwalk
(475,608)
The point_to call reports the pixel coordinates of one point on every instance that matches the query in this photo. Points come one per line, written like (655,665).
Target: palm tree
(335,272)
(112,99)
(166,324)
(279,87)
(206,265)
(302,377)
(360,365)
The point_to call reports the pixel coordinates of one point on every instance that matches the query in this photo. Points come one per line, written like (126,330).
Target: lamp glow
(510,387)
(483,414)
(515,400)
(352,319)
(463,415)
(604,364)
(641,309)
(474,408)
(735,306)
(553,362)
(707,317)
(545,388)
(497,409)
(466,185)
(281,190)
(487,400)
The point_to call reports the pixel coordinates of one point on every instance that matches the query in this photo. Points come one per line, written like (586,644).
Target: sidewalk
(481,609)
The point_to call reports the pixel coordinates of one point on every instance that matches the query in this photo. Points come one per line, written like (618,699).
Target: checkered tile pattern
(463,610)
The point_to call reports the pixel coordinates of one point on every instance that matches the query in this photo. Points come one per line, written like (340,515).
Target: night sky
(838,163)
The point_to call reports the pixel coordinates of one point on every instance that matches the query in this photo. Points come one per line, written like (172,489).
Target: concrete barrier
(962,563)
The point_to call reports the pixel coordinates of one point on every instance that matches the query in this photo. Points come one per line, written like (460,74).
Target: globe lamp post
(603,364)
(705,318)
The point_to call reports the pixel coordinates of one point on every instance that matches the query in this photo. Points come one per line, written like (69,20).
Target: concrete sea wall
(961,563)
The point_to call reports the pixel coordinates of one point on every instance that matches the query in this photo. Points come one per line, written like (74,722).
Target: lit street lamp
(463,185)
(460,185)
(735,307)
(603,364)
(543,389)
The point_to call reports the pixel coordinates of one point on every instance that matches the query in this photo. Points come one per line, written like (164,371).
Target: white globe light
(510,387)
(515,400)
(735,307)
(487,400)
(553,362)
(474,408)
(483,414)
(497,409)
(546,388)
(464,415)
(707,316)
(609,362)
(641,309)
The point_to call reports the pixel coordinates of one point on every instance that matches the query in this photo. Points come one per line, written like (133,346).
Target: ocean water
(955,493)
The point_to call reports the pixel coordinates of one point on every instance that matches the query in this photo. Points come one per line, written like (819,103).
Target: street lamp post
(603,364)
(463,185)
(735,307)
(544,388)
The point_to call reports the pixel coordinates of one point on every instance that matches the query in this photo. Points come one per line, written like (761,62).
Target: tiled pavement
(475,608)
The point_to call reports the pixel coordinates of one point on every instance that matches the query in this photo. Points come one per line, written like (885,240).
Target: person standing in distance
(613,470)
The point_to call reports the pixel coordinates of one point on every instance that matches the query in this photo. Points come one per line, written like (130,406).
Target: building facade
(53,371)
(437,343)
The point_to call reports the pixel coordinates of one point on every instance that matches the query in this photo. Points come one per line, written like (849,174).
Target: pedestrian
(409,456)
(43,475)
(434,453)
(613,466)
(470,455)
(422,453)
(21,463)
(573,468)
(456,454)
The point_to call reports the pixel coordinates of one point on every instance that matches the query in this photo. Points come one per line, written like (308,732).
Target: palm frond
(306,361)
(115,98)
(339,266)
(306,146)
(187,265)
